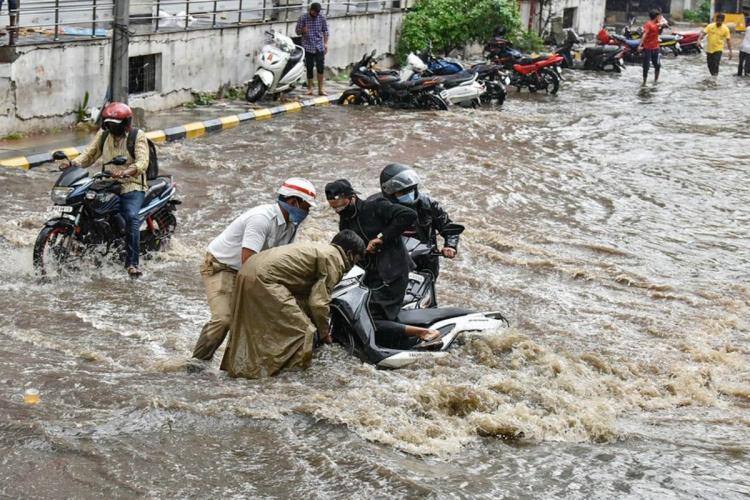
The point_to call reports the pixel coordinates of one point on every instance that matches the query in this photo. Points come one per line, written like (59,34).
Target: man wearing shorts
(650,45)
(314,31)
(13,15)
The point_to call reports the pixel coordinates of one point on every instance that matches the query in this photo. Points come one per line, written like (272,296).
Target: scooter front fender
(265,76)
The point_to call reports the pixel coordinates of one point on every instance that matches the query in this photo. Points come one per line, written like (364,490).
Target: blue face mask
(407,198)
(296,215)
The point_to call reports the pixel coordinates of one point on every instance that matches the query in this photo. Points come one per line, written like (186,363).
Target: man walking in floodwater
(282,300)
(650,45)
(717,34)
(313,28)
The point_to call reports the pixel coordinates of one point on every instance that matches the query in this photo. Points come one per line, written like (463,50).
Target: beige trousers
(219,281)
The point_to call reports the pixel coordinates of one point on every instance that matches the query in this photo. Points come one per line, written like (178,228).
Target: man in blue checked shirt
(314,31)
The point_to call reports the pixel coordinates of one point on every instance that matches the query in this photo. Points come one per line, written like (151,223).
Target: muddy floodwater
(609,223)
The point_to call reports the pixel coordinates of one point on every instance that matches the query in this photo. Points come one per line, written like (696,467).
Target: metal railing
(45,21)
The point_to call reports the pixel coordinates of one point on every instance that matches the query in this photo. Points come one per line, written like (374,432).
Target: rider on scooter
(400,184)
(110,142)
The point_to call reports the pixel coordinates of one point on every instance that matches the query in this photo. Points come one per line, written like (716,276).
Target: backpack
(152,171)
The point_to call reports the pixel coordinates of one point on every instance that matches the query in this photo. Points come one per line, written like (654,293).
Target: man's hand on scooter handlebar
(448,252)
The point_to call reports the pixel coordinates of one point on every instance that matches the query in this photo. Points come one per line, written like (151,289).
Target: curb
(188,131)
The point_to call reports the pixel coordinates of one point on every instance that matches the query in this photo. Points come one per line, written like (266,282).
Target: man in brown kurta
(282,299)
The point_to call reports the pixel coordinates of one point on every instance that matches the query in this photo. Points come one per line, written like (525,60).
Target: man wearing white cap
(258,229)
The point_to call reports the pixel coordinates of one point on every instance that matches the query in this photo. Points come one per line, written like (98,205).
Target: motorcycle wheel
(165,224)
(351,97)
(51,251)
(434,101)
(255,90)
(550,80)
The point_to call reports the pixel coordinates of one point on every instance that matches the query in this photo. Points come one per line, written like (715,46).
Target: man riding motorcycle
(400,184)
(110,142)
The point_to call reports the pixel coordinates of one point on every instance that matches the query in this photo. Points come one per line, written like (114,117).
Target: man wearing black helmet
(400,184)
(380,223)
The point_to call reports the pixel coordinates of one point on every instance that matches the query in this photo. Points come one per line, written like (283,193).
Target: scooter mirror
(59,155)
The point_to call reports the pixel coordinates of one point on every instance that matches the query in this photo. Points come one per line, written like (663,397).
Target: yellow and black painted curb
(188,131)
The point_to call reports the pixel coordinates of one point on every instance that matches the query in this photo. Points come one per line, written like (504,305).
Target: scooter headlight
(59,195)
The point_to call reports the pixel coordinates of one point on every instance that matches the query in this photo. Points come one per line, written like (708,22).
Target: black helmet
(397,177)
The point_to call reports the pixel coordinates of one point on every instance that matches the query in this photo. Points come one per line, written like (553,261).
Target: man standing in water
(313,28)
(258,229)
(717,33)
(650,45)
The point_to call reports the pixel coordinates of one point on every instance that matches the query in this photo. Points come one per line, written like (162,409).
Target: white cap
(299,187)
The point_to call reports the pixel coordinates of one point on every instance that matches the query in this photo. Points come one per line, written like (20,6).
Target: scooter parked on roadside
(281,64)
(597,58)
(461,88)
(386,87)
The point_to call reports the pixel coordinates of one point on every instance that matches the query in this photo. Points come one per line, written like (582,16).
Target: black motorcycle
(93,226)
(386,87)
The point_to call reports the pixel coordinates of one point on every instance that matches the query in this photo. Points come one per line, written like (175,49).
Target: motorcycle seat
(426,317)
(668,38)
(392,78)
(155,188)
(600,49)
(525,61)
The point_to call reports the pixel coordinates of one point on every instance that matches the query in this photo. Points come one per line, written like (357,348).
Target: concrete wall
(43,86)
(588,18)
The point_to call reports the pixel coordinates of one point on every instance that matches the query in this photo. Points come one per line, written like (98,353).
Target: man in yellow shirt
(117,120)
(717,33)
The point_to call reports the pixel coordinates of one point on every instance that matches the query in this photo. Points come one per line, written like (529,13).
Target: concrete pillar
(118,83)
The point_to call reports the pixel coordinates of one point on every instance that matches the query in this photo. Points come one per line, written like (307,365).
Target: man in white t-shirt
(744,67)
(258,229)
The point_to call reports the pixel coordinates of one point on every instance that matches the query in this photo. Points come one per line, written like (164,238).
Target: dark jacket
(377,215)
(432,220)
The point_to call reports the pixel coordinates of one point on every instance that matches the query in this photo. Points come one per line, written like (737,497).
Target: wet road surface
(610,223)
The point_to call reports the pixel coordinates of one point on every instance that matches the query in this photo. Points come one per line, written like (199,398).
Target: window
(144,72)
(569,16)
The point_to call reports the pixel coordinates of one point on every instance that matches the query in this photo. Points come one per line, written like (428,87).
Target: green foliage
(203,99)
(528,41)
(702,15)
(451,24)
(80,111)
(14,136)
(233,93)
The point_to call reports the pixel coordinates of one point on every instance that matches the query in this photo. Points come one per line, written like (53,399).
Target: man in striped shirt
(313,28)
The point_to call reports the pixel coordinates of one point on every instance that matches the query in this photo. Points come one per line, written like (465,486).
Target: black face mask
(349,211)
(116,129)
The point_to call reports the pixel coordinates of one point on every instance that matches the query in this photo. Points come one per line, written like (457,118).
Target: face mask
(407,198)
(116,129)
(296,214)
(347,210)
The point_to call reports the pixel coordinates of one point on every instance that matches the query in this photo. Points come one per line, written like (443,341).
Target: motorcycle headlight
(59,195)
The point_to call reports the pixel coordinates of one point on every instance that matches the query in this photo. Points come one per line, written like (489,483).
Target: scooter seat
(155,188)
(296,55)
(457,78)
(426,317)
(600,49)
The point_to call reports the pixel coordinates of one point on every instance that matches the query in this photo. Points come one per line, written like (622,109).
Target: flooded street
(609,223)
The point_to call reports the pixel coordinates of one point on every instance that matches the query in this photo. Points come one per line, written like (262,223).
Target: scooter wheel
(351,97)
(255,90)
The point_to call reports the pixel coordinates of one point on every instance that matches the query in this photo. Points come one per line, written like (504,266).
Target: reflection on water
(608,222)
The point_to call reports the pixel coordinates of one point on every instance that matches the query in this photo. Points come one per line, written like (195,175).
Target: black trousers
(743,68)
(713,60)
(314,60)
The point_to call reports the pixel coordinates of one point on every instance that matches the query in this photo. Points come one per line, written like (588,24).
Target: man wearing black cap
(387,264)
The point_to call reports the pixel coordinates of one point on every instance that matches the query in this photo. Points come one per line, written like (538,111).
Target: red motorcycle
(539,73)
(690,42)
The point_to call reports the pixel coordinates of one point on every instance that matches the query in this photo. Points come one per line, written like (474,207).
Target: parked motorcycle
(353,327)
(597,58)
(281,64)
(535,73)
(492,76)
(387,87)
(690,42)
(461,88)
(93,226)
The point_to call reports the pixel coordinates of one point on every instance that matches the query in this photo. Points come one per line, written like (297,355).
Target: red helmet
(117,117)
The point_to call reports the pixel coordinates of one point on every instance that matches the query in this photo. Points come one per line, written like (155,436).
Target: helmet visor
(400,182)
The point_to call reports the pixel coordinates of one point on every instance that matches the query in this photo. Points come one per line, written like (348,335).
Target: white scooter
(281,66)
(461,88)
